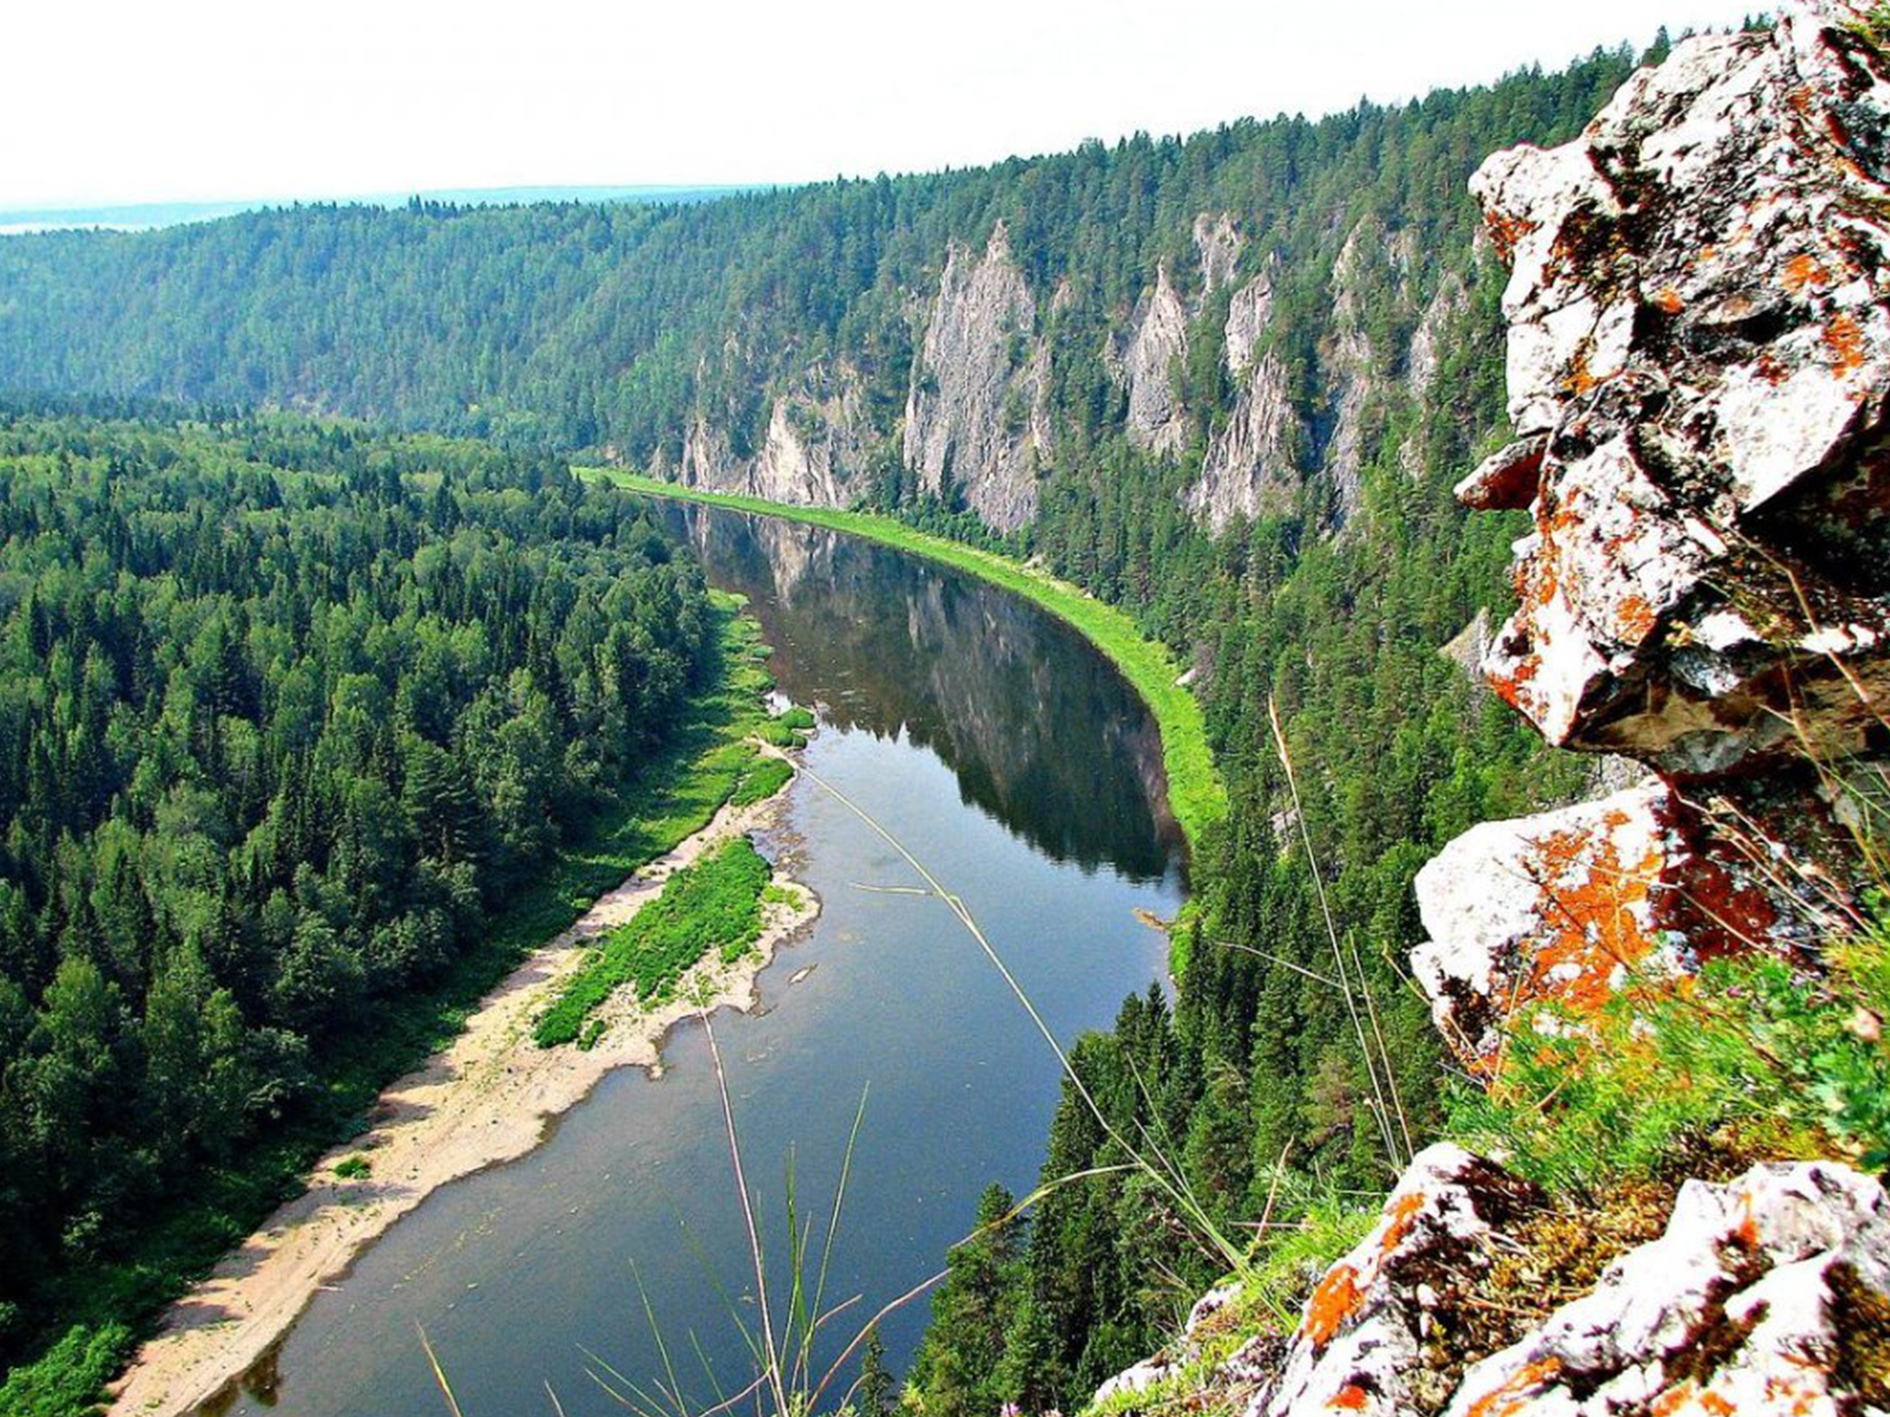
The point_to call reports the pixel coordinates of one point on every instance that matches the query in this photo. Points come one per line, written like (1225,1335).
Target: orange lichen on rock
(1506,233)
(1669,300)
(1635,619)
(1805,272)
(1400,1218)
(1334,1302)
(1591,925)
(1844,337)
(1687,1398)
(1350,1398)
(1515,1395)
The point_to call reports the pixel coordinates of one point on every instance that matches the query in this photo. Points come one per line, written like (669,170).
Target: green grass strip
(711,907)
(1195,793)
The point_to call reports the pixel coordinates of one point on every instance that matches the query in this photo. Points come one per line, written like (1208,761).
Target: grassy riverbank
(708,761)
(1195,792)
(713,906)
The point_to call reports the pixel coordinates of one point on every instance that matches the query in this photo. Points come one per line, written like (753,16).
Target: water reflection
(1042,731)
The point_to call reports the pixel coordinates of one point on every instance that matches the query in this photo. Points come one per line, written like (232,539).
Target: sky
(212,100)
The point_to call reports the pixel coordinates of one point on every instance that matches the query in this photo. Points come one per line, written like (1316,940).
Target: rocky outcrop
(1346,363)
(1767,1295)
(1535,920)
(1705,588)
(1425,356)
(1159,338)
(973,420)
(1699,360)
(1247,316)
(1699,366)
(1218,243)
(1257,461)
(1252,463)
(1360,1346)
(813,453)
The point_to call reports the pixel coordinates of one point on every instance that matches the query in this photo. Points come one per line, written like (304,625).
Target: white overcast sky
(243,99)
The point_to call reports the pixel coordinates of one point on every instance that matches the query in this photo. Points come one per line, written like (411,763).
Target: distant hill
(150,216)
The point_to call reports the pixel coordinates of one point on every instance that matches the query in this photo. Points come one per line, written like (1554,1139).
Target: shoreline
(487,1098)
(1196,794)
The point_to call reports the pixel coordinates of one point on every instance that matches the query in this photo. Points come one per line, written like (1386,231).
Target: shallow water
(1019,767)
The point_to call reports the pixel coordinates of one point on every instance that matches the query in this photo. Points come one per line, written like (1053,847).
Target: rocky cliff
(816,450)
(973,419)
(978,427)
(1699,376)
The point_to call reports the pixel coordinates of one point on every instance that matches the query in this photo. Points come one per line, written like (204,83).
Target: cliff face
(1146,367)
(1699,375)
(815,452)
(972,417)
(977,424)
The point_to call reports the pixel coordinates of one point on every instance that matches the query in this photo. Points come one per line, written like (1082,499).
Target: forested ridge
(613,332)
(611,327)
(288,711)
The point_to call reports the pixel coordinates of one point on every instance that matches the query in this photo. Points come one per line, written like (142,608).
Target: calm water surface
(1019,767)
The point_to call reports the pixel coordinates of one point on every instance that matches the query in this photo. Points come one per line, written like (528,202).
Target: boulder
(1360,1345)
(1699,361)
(1541,920)
(1770,1294)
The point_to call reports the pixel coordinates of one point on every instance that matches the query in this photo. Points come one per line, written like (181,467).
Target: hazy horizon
(370,102)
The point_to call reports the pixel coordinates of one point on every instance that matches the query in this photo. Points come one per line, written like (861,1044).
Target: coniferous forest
(288,703)
(289,711)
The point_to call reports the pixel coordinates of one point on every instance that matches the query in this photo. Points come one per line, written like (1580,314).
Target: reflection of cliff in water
(1040,729)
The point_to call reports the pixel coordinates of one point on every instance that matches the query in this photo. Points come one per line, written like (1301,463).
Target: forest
(288,712)
(606,329)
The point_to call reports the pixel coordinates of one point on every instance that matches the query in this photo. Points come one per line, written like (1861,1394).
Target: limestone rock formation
(813,453)
(1693,595)
(1159,338)
(973,416)
(1568,908)
(1252,466)
(1766,1294)
(1347,362)
(1426,352)
(1219,244)
(1360,1346)
(1763,1295)
(1247,316)
(1699,367)
(1699,361)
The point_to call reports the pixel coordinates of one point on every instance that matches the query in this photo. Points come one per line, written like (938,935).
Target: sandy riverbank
(486,1099)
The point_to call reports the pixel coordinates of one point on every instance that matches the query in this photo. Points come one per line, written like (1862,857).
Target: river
(1011,759)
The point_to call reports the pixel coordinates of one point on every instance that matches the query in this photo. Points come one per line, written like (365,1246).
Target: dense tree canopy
(607,328)
(284,710)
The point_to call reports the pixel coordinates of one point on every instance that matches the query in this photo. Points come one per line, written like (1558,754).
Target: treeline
(607,328)
(286,711)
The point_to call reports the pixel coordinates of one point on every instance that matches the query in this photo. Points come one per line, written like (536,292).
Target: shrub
(68,1379)
(1755,1056)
